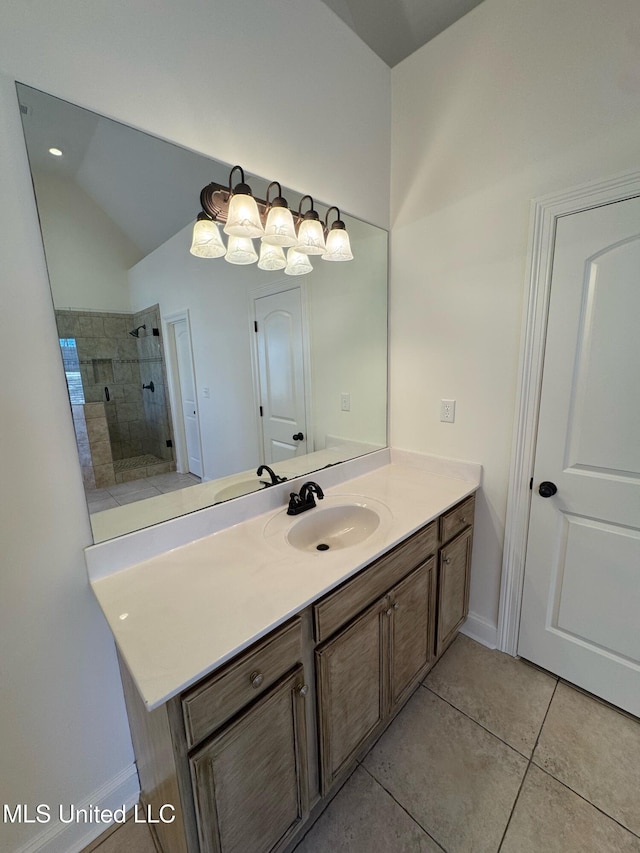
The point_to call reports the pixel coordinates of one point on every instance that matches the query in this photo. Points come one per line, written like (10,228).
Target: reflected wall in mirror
(185,374)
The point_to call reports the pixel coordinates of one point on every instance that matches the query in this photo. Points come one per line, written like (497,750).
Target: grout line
(564,784)
(484,728)
(585,799)
(515,802)
(404,809)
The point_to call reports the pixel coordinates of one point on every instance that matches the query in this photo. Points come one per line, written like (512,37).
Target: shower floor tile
(120,465)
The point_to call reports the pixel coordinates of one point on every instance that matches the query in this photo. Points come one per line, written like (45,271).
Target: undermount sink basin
(244,487)
(323,529)
(236,490)
(336,522)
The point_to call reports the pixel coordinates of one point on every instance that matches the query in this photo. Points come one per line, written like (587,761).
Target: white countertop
(180,615)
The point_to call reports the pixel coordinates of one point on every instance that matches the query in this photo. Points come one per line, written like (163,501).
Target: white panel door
(188,396)
(280,348)
(581,605)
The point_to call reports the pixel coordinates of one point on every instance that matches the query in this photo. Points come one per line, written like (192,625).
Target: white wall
(216,295)
(62,723)
(516,100)
(348,319)
(88,257)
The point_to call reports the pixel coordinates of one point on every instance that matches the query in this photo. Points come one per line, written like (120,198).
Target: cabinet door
(453,588)
(250,780)
(412,629)
(351,689)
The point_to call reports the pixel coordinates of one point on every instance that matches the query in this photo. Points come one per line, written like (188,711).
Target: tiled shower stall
(118,390)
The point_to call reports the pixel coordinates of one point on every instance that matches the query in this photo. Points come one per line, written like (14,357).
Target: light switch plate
(345,401)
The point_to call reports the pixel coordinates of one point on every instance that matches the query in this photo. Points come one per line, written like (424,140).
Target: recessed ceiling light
(56,152)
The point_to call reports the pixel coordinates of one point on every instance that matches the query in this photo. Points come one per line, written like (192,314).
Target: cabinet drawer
(211,703)
(348,600)
(455,521)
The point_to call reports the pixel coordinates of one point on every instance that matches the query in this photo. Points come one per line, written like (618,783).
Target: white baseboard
(59,837)
(481,630)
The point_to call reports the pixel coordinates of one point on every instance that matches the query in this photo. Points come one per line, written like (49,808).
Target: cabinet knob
(396,605)
(463,520)
(388,612)
(446,560)
(256,679)
(303,689)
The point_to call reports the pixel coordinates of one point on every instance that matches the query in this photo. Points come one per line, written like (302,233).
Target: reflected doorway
(182,390)
(282,367)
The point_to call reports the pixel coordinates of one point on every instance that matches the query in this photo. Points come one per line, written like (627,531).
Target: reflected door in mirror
(280,331)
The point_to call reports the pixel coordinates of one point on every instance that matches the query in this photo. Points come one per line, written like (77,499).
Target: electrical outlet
(447,411)
(345,401)
(206,392)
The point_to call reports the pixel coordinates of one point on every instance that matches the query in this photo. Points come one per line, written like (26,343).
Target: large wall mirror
(186,374)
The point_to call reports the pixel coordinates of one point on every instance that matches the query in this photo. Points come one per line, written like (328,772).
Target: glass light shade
(311,237)
(240,250)
(243,218)
(280,230)
(338,246)
(272,257)
(207,240)
(297,263)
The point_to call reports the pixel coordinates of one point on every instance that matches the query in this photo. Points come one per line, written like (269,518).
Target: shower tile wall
(113,363)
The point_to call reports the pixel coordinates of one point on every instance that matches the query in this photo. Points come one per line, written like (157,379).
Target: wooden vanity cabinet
(231,752)
(369,668)
(248,754)
(350,672)
(412,620)
(454,571)
(250,779)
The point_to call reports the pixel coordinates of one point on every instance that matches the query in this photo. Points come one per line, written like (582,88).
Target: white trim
(545,213)
(481,630)
(122,791)
(175,394)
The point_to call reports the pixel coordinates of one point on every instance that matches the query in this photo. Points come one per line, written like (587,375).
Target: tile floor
(137,490)
(490,754)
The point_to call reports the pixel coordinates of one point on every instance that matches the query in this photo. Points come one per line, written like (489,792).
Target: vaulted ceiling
(396,28)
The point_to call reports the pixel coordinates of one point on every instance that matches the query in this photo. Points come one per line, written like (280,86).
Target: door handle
(298,437)
(547,489)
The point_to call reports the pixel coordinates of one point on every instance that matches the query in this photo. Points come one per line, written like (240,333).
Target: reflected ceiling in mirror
(185,374)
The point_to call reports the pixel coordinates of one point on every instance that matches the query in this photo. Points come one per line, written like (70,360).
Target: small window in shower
(72,369)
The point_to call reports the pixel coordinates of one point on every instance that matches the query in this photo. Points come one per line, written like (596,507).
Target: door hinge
(531,484)
(261,412)
(255,325)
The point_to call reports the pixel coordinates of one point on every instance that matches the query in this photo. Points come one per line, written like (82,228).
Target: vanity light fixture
(243,218)
(271,257)
(246,218)
(298,263)
(310,231)
(207,240)
(279,229)
(338,243)
(240,250)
